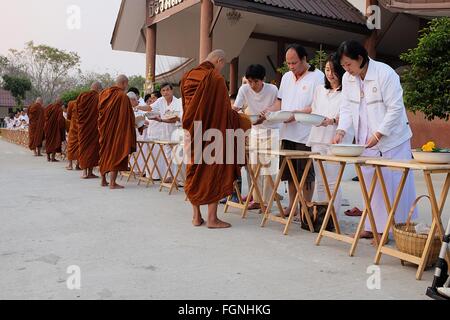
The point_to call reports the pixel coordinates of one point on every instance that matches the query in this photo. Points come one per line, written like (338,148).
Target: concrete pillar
(206,18)
(151,52)
(234,75)
(370,42)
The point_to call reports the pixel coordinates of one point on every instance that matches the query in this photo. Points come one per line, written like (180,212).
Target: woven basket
(408,241)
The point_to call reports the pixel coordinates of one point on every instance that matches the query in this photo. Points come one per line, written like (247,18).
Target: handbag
(317,212)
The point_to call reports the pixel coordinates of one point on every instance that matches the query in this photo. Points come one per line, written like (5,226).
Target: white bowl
(139,121)
(309,118)
(347,150)
(431,157)
(279,116)
(253,118)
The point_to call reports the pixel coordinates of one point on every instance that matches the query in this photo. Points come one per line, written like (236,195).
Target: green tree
(137,82)
(72,94)
(319,60)
(18,87)
(47,67)
(426,81)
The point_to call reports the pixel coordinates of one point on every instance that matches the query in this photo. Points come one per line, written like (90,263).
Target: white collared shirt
(296,95)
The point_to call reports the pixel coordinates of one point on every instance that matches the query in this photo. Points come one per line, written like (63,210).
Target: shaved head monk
(88,138)
(55,129)
(72,140)
(206,101)
(36,128)
(116,124)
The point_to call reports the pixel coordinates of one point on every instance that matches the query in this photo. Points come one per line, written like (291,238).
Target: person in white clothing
(296,95)
(258,96)
(327,102)
(372,105)
(170,112)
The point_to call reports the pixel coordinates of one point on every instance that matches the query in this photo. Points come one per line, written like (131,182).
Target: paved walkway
(138,243)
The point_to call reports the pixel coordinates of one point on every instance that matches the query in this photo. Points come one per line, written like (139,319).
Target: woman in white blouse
(327,102)
(372,106)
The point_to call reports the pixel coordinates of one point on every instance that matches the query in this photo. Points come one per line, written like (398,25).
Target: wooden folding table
(288,156)
(436,208)
(358,162)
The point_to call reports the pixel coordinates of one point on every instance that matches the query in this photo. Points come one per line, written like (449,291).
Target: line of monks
(102,133)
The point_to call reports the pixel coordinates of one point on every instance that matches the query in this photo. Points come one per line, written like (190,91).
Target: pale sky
(46,22)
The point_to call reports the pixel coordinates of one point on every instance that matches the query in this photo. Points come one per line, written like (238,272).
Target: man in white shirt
(296,95)
(258,96)
(170,111)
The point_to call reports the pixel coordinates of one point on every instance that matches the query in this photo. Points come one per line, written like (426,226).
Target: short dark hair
(255,72)
(166,84)
(337,69)
(353,49)
(135,90)
(157,93)
(301,52)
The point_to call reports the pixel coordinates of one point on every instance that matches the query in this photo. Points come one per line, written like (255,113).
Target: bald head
(58,101)
(122,82)
(96,86)
(217,58)
(39,100)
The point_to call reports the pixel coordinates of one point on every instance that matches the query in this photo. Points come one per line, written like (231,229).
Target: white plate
(279,116)
(309,118)
(347,150)
(431,157)
(152,114)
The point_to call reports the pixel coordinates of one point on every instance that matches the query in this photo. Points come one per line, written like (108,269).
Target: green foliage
(48,68)
(319,60)
(137,82)
(18,87)
(283,69)
(426,82)
(73,94)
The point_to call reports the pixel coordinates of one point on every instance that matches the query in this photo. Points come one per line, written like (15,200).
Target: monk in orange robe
(116,125)
(72,140)
(36,127)
(88,144)
(206,101)
(55,129)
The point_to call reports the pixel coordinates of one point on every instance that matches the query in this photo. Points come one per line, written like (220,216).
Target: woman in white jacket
(372,105)
(327,102)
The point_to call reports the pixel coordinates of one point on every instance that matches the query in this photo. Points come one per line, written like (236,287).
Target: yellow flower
(430,146)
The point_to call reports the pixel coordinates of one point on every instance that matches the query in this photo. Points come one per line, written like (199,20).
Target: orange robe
(89,146)
(72,140)
(36,127)
(55,128)
(116,125)
(205,99)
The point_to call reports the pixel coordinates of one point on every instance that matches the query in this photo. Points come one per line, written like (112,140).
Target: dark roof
(6,99)
(334,9)
(338,14)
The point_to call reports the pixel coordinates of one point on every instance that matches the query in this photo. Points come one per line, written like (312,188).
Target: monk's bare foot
(91,176)
(77,168)
(104,183)
(69,168)
(116,186)
(198,223)
(218,224)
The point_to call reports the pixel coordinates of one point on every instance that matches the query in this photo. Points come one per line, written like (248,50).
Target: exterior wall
(424,131)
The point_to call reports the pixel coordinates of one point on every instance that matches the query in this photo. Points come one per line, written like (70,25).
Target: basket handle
(413,207)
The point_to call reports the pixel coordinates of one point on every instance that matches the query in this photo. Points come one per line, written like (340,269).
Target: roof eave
(260,8)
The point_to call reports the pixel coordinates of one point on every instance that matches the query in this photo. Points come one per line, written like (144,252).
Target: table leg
(274,192)
(390,220)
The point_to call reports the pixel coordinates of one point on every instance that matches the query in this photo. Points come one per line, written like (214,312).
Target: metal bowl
(431,157)
(347,150)
(279,116)
(309,118)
